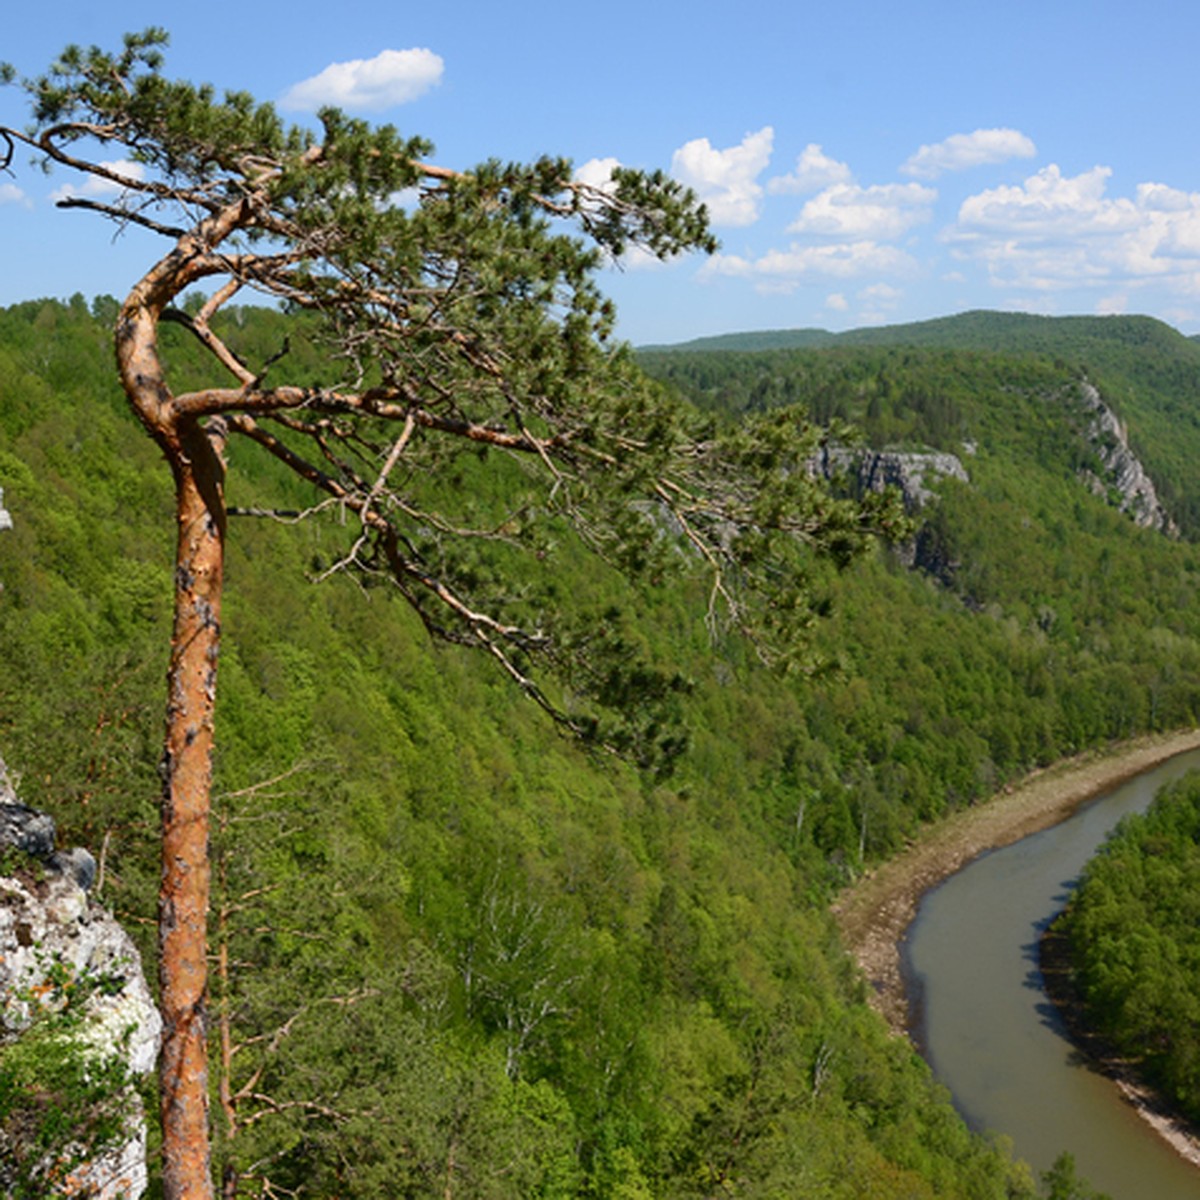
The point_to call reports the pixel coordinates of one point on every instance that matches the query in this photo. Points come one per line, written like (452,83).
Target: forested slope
(1147,370)
(1131,932)
(462,956)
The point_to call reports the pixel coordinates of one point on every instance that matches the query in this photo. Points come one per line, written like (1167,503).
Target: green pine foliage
(465,953)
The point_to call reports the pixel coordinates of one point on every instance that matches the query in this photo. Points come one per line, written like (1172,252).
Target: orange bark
(195,454)
(187,778)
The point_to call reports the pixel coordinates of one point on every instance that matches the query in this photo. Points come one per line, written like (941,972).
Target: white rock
(46,918)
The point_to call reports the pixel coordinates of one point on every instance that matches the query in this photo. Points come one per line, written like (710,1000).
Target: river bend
(987,1028)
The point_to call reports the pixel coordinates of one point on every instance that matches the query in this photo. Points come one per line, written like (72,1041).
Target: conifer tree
(466,336)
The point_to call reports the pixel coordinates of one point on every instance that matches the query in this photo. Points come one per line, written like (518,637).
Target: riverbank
(1054,964)
(874,914)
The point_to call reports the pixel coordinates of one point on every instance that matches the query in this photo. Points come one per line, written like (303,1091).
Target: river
(988,1030)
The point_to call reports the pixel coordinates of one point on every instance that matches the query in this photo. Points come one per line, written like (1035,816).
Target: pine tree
(466,339)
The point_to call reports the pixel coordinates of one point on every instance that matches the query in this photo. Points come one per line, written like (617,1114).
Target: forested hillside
(1147,370)
(457,955)
(1133,944)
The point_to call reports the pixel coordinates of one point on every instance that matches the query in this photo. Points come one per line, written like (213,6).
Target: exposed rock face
(5,517)
(912,472)
(48,921)
(1123,472)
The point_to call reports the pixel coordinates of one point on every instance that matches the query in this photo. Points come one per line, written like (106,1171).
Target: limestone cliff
(57,948)
(912,472)
(1122,478)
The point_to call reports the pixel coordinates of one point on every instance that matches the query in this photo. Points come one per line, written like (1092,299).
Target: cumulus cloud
(93,187)
(814,170)
(837,302)
(1050,204)
(11,194)
(597,172)
(964,150)
(1056,231)
(726,180)
(392,77)
(882,211)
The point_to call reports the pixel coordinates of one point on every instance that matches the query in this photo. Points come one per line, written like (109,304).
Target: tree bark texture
(195,453)
(187,776)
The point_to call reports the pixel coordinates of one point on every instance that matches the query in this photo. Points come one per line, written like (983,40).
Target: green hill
(1147,371)
(458,946)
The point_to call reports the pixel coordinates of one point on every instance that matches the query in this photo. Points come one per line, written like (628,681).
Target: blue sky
(864,162)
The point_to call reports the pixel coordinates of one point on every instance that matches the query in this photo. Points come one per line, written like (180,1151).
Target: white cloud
(1050,204)
(1161,198)
(1055,231)
(11,194)
(880,293)
(881,211)
(814,170)
(1108,306)
(837,302)
(95,187)
(597,172)
(804,263)
(726,180)
(964,150)
(392,77)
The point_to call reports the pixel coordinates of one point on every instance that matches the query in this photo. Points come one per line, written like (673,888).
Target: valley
(552,971)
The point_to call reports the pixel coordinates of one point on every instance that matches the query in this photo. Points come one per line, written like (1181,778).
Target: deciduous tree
(467,341)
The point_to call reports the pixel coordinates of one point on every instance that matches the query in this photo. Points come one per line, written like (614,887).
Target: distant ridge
(765,339)
(978,329)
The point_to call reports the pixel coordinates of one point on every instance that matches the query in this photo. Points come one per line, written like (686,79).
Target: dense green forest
(458,954)
(1133,934)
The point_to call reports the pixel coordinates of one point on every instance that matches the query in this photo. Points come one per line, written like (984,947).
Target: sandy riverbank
(874,914)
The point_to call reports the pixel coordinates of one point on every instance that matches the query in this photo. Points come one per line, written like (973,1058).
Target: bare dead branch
(121,213)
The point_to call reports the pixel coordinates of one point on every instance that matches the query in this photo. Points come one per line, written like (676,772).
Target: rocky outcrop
(5,517)
(1122,478)
(58,947)
(912,472)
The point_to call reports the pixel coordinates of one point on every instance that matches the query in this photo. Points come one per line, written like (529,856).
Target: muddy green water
(988,1030)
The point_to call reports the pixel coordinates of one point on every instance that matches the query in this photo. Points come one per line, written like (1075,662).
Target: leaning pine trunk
(187,776)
